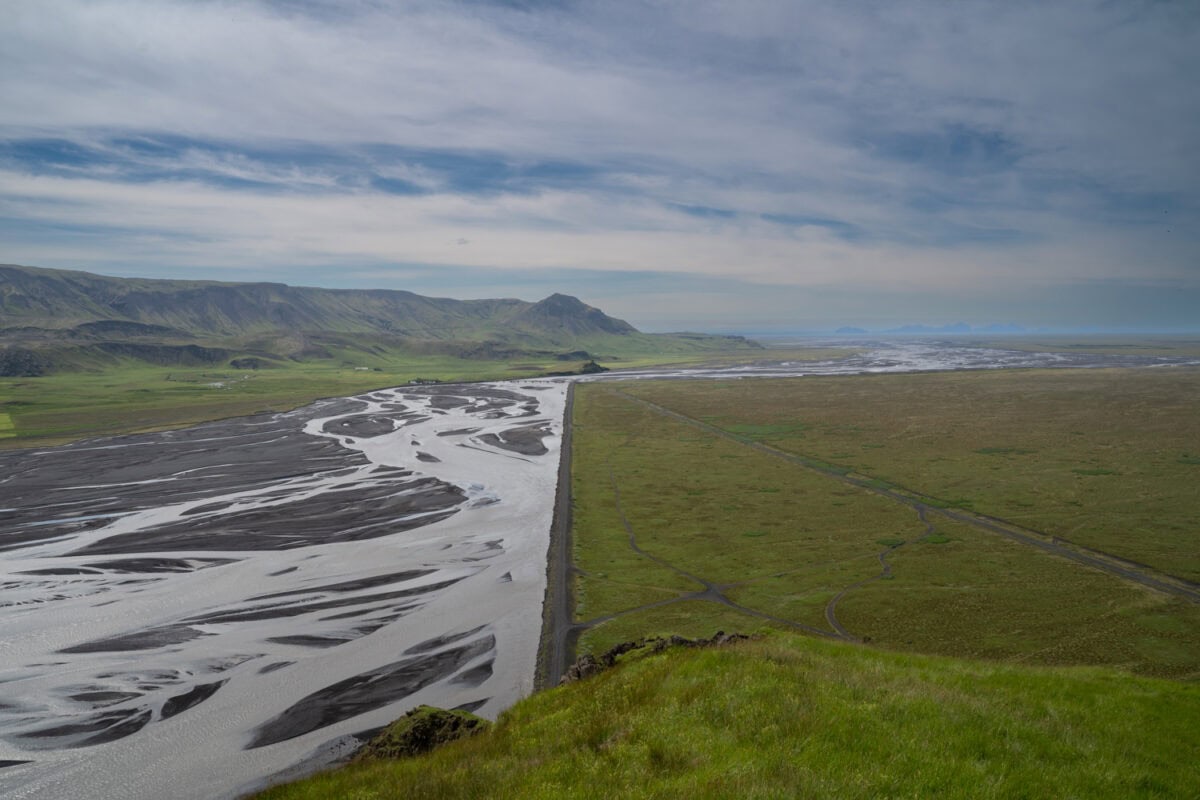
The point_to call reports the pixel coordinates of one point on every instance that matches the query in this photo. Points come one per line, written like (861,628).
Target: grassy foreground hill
(788,716)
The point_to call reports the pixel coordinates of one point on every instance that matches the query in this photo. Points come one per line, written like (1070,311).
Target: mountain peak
(563,301)
(564,314)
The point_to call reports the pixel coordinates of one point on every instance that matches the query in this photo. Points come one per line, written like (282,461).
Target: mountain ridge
(58,299)
(67,319)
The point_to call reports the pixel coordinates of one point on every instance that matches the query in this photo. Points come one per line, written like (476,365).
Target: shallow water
(916,355)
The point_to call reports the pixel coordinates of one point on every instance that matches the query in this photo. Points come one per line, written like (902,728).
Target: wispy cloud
(800,154)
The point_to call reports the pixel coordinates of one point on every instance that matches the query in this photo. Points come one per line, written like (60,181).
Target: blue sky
(749,165)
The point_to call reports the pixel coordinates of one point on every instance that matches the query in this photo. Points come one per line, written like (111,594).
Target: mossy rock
(420,731)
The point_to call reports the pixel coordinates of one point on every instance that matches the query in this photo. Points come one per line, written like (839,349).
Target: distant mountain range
(58,319)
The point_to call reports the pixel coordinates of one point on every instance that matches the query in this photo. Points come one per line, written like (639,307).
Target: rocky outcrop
(188,355)
(419,731)
(17,362)
(587,664)
(250,362)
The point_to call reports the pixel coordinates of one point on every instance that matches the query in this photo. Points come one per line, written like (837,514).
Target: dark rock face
(18,362)
(187,355)
(123,328)
(588,665)
(420,731)
(584,667)
(250,362)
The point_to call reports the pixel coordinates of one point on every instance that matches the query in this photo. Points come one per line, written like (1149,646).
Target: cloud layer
(701,163)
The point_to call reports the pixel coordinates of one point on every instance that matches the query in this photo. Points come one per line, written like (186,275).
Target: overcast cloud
(718,165)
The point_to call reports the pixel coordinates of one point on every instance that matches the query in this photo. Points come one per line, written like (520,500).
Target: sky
(753,165)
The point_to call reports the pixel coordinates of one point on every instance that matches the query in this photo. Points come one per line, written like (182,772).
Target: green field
(731,536)
(1103,458)
(128,396)
(790,716)
(62,407)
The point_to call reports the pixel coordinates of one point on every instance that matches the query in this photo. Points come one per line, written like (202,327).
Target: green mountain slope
(63,320)
(793,717)
(59,299)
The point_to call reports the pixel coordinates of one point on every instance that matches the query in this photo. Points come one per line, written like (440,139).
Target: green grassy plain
(781,541)
(1102,458)
(127,396)
(790,716)
(134,397)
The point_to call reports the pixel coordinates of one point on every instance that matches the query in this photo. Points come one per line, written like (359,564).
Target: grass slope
(794,717)
(40,305)
(63,298)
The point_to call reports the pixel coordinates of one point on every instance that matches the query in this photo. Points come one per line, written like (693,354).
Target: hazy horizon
(717,166)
